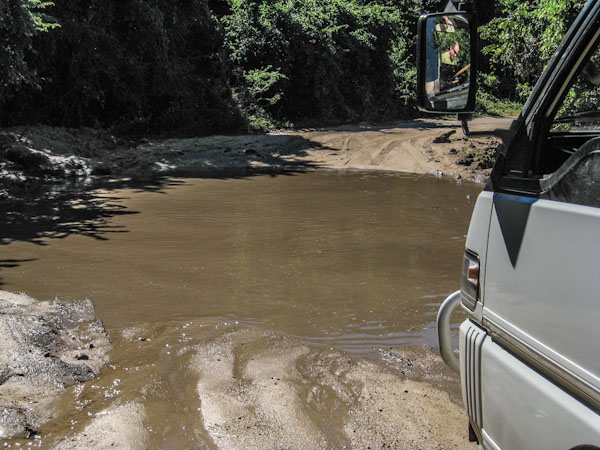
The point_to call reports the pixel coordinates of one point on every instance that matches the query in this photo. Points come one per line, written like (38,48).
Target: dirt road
(424,146)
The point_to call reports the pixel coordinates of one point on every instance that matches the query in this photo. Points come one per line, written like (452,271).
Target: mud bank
(420,146)
(44,348)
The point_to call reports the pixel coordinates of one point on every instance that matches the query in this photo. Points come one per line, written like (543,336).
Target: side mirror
(447,62)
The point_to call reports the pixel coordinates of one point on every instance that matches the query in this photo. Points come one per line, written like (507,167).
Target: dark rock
(20,156)
(32,161)
(444,138)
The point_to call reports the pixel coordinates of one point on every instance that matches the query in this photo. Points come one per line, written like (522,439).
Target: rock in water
(41,344)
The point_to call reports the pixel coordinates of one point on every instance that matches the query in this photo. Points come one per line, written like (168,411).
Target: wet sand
(256,389)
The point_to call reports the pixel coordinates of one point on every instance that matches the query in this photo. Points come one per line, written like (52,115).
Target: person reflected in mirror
(448,66)
(432,75)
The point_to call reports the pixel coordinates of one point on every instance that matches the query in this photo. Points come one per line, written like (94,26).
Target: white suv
(530,347)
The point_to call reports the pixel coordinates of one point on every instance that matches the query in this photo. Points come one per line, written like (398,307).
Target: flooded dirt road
(289,311)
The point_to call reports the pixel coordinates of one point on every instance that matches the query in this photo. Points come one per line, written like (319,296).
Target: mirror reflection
(447,74)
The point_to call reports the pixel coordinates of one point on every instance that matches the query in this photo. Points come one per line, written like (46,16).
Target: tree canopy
(222,66)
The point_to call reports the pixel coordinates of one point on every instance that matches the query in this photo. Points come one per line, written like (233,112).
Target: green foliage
(523,39)
(20,21)
(222,66)
(487,99)
(337,60)
(207,66)
(35,11)
(582,99)
(138,65)
(257,91)
(488,104)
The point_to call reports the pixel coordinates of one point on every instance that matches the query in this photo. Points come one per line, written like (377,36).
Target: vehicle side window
(578,179)
(580,110)
(570,166)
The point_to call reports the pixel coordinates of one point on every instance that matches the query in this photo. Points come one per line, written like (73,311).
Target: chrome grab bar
(443,330)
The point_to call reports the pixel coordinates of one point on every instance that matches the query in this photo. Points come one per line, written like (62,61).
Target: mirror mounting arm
(460,5)
(464,122)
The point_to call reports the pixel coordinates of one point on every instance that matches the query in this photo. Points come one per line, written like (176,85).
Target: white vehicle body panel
(530,349)
(549,298)
(524,410)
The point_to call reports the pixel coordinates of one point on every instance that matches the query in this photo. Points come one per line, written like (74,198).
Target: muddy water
(356,262)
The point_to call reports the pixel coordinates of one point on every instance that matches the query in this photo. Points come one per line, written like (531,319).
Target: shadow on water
(12,263)
(41,211)
(37,211)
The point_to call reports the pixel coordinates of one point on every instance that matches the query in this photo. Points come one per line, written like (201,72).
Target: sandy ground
(434,146)
(290,396)
(424,146)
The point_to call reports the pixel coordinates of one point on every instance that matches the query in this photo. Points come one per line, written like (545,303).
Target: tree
(521,41)
(20,21)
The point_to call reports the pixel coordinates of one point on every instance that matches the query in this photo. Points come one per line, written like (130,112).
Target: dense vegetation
(216,66)
(520,41)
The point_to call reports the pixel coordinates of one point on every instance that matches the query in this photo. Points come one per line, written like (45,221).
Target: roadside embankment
(421,146)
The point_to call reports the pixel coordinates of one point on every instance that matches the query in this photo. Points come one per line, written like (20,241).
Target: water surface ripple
(348,260)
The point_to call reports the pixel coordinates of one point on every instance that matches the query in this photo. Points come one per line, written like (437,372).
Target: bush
(525,35)
(140,65)
(336,60)
(207,66)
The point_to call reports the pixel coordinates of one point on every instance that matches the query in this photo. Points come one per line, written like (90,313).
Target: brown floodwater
(352,261)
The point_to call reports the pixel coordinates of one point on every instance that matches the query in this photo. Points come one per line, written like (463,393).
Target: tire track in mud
(407,147)
(347,147)
(387,148)
(253,402)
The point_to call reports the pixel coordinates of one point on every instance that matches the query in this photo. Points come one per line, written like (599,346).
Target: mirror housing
(447,62)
